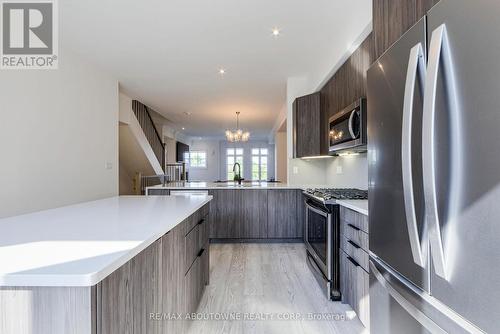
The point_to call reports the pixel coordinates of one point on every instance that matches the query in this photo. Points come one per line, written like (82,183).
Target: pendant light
(237,135)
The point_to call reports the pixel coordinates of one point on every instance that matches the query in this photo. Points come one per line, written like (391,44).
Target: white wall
(280,156)
(58,131)
(348,172)
(307,172)
(211,173)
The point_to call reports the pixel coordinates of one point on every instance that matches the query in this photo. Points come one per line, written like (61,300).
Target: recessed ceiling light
(183,128)
(222,71)
(187,113)
(276,32)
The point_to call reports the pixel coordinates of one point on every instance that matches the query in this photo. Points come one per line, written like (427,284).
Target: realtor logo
(29,34)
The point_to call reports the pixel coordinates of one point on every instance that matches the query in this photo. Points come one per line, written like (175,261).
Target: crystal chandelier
(238,134)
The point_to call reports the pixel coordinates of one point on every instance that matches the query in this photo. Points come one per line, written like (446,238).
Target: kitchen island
(357,205)
(250,212)
(104,266)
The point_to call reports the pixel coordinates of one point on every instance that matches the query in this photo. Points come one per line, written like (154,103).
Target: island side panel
(131,293)
(47,310)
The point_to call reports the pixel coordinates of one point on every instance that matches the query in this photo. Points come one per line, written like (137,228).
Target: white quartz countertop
(358,205)
(229,185)
(79,245)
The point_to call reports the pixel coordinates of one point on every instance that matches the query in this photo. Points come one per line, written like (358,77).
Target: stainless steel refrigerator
(434,174)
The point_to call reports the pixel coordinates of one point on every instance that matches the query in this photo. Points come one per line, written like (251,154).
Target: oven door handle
(316,268)
(319,212)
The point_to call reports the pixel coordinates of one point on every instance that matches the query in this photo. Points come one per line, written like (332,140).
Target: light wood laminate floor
(266,279)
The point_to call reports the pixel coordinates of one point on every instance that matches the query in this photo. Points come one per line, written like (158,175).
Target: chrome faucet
(237,176)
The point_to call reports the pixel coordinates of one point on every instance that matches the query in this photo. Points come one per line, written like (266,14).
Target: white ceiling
(167,53)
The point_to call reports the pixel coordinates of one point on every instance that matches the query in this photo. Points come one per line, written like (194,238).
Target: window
(259,164)
(196,159)
(233,155)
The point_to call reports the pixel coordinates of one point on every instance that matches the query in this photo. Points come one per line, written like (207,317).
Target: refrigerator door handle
(416,68)
(412,310)
(439,52)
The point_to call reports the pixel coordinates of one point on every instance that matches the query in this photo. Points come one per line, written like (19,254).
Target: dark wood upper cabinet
(392,18)
(307,126)
(347,85)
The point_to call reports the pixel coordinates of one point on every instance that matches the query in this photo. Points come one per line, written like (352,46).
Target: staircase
(143,116)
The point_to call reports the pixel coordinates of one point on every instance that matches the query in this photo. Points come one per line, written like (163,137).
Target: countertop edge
(353,206)
(90,279)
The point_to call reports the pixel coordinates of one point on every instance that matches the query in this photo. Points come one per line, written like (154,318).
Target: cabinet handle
(200,253)
(353,244)
(354,227)
(201,221)
(352,261)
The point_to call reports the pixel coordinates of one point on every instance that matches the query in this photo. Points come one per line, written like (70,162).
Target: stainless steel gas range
(322,234)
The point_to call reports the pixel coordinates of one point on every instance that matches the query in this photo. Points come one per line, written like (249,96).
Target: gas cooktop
(330,195)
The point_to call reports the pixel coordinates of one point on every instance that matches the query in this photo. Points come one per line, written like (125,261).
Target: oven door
(318,237)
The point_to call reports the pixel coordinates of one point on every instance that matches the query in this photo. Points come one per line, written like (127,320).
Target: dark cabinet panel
(129,293)
(256,214)
(354,278)
(226,223)
(154,281)
(347,85)
(307,126)
(392,18)
(282,214)
(253,214)
(301,214)
(192,287)
(192,247)
(173,271)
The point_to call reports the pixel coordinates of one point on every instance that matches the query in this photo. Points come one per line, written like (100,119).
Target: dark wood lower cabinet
(139,296)
(257,214)
(173,273)
(354,277)
(253,213)
(282,214)
(226,207)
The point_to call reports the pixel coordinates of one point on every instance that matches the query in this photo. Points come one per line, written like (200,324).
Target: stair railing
(148,127)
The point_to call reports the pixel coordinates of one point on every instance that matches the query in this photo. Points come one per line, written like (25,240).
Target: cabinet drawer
(205,266)
(192,221)
(355,288)
(205,210)
(192,246)
(196,217)
(195,280)
(356,235)
(192,289)
(203,227)
(348,216)
(356,252)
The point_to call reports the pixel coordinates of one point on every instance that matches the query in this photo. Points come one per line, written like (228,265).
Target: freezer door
(467,156)
(401,307)
(390,231)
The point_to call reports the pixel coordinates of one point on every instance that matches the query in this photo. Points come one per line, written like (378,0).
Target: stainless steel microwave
(347,129)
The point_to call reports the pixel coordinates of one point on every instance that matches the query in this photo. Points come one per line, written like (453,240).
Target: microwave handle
(351,130)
